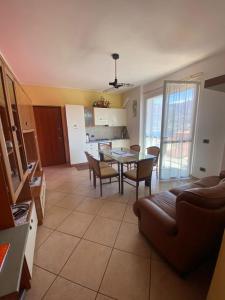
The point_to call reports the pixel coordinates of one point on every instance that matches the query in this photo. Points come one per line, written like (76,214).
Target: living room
(112,150)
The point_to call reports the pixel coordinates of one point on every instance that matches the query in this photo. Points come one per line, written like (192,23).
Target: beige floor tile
(70,201)
(67,187)
(76,224)
(53,253)
(41,281)
(64,289)
(90,205)
(112,210)
(116,198)
(126,277)
(103,231)
(167,285)
(130,216)
(129,239)
(53,197)
(55,216)
(42,235)
(87,264)
(103,297)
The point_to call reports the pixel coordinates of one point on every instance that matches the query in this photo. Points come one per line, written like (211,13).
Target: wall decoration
(134,108)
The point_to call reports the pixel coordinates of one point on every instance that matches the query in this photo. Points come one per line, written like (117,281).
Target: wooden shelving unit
(18,149)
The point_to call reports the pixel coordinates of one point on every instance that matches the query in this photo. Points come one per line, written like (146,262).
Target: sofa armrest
(154,213)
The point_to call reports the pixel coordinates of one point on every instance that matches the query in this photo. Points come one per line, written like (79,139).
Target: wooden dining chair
(136,148)
(105,146)
(142,172)
(154,150)
(90,163)
(103,173)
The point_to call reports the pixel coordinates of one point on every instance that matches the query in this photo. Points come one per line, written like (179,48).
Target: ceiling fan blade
(126,84)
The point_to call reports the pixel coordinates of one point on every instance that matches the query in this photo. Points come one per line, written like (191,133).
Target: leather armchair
(185,228)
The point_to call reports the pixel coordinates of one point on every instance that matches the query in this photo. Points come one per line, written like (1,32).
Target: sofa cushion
(179,189)
(204,182)
(211,198)
(166,201)
(208,181)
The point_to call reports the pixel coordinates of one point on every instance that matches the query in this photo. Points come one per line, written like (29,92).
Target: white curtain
(153,121)
(178,120)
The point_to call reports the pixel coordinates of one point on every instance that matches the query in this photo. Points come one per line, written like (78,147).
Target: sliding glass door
(153,121)
(178,120)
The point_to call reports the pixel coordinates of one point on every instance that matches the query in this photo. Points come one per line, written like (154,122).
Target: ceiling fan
(115,84)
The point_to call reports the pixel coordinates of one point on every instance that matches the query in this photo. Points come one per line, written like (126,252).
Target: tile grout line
(111,252)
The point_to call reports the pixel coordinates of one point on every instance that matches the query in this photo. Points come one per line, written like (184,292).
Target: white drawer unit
(31,239)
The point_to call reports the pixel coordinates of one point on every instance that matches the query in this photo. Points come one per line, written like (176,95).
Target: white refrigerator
(76,133)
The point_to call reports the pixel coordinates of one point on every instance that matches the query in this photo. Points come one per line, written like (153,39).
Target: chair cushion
(108,172)
(131,174)
(166,201)
(103,164)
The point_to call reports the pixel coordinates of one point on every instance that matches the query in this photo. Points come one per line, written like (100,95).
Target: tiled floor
(90,247)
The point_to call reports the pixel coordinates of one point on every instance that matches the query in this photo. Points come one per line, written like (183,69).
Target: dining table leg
(121,176)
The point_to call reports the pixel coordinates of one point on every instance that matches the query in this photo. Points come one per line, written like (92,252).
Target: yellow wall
(41,95)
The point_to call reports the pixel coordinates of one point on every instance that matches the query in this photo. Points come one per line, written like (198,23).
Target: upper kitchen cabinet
(110,116)
(89,117)
(118,117)
(101,116)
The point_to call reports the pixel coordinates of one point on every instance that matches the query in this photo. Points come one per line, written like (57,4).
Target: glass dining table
(124,156)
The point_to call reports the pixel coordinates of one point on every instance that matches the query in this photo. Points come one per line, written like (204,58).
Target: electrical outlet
(202,169)
(206,141)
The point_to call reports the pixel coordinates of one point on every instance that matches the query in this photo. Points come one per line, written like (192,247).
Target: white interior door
(178,124)
(76,133)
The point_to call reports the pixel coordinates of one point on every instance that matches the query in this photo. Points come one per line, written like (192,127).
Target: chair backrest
(144,168)
(96,166)
(104,145)
(88,156)
(136,148)
(154,150)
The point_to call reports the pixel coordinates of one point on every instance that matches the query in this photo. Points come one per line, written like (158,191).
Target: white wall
(210,122)
(133,123)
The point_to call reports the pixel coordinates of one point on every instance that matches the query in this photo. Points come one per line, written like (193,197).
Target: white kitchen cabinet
(110,116)
(118,117)
(92,148)
(101,116)
(76,133)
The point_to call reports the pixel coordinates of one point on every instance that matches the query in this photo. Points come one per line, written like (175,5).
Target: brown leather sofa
(186,223)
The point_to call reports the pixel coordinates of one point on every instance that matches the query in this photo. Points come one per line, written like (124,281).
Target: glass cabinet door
(8,136)
(16,125)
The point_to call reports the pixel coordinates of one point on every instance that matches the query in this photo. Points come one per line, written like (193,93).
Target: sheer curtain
(153,121)
(178,120)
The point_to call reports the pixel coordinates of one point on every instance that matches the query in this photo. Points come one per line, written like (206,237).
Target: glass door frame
(22,174)
(198,83)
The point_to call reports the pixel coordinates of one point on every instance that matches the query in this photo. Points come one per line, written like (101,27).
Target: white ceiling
(67,43)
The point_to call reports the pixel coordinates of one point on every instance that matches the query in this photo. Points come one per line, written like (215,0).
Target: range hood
(216,83)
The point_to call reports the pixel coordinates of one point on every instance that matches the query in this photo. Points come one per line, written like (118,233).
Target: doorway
(50,135)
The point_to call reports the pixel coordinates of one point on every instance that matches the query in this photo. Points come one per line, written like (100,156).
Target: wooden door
(50,135)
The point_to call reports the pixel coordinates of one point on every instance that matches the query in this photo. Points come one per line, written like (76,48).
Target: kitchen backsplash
(104,132)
